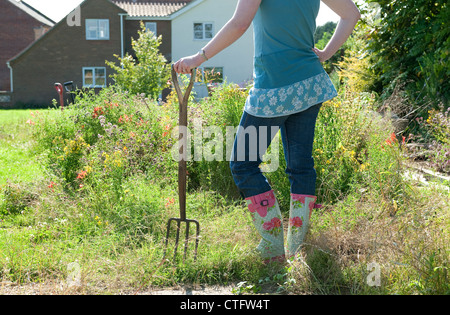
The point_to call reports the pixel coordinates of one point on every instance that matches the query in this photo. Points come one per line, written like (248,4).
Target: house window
(97,29)
(94,77)
(151,26)
(203,31)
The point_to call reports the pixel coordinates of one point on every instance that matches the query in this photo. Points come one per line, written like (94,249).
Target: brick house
(68,53)
(75,49)
(20,26)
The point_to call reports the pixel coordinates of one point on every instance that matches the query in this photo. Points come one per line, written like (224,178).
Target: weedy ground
(86,194)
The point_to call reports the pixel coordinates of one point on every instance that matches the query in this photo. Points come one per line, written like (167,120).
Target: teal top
(288,76)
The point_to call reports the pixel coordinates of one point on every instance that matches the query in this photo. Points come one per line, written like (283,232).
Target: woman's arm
(349,16)
(232,31)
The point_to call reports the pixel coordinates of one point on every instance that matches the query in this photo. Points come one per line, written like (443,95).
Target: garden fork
(183,101)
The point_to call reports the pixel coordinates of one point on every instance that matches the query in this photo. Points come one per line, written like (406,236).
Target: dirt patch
(10,288)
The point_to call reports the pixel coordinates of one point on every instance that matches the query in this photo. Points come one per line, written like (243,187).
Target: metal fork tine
(177,239)
(196,239)
(186,241)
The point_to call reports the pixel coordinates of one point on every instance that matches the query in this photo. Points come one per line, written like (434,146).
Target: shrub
(15,198)
(103,138)
(148,73)
(411,44)
(437,128)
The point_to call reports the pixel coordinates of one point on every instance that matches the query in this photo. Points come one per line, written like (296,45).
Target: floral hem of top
(290,99)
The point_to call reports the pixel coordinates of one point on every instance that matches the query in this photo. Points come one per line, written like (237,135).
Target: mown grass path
(17,161)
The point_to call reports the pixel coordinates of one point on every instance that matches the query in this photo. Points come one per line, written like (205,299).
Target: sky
(58,9)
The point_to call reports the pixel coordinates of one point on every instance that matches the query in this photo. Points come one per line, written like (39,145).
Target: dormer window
(97,29)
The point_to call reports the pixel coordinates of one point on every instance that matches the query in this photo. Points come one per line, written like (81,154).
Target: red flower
(393,137)
(169,202)
(52,184)
(97,112)
(269,225)
(300,198)
(295,221)
(82,175)
(276,222)
(125,118)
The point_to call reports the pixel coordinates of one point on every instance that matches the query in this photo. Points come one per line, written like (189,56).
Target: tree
(321,38)
(148,73)
(411,45)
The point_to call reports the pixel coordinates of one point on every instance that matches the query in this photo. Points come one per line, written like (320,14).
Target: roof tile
(151,8)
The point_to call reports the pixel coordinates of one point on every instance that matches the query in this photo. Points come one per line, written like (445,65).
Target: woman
(290,85)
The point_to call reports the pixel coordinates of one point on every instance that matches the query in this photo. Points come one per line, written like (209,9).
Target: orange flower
(393,137)
(97,112)
(125,118)
(82,175)
(169,202)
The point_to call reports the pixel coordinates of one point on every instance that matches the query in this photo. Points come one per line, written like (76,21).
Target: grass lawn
(17,161)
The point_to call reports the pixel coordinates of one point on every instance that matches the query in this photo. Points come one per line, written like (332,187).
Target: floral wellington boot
(266,216)
(299,216)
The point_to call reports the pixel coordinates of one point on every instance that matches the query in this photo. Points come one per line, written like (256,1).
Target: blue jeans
(254,136)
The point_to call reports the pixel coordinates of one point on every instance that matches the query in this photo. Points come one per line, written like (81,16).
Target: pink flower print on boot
(295,223)
(273,226)
(260,203)
(266,217)
(299,217)
(268,226)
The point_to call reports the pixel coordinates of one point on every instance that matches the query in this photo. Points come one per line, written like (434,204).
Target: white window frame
(203,31)
(94,76)
(152,27)
(97,27)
